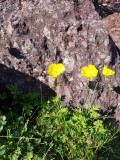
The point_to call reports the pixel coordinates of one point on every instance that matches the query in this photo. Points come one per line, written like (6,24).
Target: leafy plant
(75,134)
(31,130)
(17,123)
(2,122)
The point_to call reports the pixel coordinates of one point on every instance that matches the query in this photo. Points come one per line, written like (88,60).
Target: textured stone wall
(36,33)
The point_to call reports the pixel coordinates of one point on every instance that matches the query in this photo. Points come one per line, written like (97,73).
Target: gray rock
(64,31)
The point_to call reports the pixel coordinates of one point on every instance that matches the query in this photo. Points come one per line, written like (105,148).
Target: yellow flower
(107,71)
(55,69)
(89,71)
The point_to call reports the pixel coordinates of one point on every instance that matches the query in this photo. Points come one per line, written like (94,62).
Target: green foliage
(2,122)
(111,151)
(30,130)
(17,124)
(71,131)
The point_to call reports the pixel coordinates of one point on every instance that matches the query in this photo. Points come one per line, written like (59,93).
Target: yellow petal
(84,71)
(107,71)
(55,69)
(89,71)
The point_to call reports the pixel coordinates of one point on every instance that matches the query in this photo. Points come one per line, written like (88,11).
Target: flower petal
(89,71)
(55,69)
(107,71)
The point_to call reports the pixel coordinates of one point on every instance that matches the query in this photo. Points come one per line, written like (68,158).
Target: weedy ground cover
(34,129)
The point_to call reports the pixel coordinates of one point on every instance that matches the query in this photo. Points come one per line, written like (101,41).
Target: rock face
(35,33)
(112,23)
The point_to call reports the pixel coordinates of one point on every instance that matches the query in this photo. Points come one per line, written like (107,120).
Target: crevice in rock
(44,45)
(115,52)
(63,97)
(58,55)
(117,89)
(105,8)
(78,17)
(79,28)
(15,52)
(76,5)
(67,28)
(94,85)
(20,27)
(65,79)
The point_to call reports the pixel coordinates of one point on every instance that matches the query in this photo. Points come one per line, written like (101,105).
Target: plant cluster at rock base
(34,129)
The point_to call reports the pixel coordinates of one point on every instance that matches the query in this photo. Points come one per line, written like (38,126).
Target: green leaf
(29,156)
(94,107)
(2,150)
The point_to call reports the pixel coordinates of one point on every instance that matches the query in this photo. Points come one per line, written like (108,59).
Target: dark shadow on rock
(24,81)
(110,112)
(15,52)
(21,28)
(117,89)
(108,9)
(115,51)
(94,85)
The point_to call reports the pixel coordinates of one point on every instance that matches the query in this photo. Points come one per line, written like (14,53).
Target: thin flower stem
(17,137)
(51,145)
(87,93)
(94,94)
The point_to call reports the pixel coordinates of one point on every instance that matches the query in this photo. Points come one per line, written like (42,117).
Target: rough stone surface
(35,33)
(112,23)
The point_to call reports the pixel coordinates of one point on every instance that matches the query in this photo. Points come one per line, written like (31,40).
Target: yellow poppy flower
(89,71)
(55,69)
(107,71)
